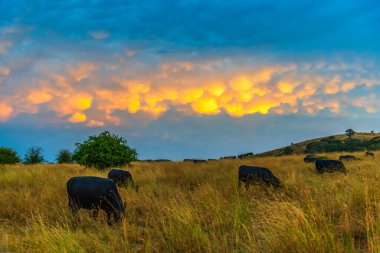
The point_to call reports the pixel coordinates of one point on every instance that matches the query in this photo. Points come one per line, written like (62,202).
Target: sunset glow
(158,73)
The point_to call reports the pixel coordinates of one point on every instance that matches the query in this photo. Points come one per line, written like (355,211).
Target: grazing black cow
(313,158)
(95,193)
(122,178)
(347,158)
(252,174)
(370,154)
(195,160)
(228,157)
(329,166)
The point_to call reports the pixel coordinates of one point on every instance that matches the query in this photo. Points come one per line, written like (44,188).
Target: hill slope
(361,140)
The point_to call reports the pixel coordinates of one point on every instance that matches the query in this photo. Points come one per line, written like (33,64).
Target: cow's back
(88,191)
(246,170)
(329,166)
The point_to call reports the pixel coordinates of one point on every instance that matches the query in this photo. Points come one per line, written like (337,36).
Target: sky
(187,79)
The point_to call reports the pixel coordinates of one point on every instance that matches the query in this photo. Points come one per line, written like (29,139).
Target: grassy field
(185,207)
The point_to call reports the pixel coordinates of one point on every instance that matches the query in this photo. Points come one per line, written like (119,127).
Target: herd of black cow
(95,193)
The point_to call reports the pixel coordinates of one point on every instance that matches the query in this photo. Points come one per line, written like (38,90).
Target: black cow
(370,154)
(347,158)
(195,160)
(313,158)
(122,178)
(95,193)
(329,166)
(252,174)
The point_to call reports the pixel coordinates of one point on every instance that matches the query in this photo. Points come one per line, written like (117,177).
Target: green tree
(350,133)
(8,156)
(104,151)
(34,155)
(64,156)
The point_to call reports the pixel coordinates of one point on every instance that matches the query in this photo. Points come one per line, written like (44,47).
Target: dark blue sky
(182,79)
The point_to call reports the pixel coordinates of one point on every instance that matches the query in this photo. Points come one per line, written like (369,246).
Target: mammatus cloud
(96,95)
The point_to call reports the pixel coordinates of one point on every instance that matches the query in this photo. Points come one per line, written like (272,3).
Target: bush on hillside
(288,150)
(104,151)
(347,145)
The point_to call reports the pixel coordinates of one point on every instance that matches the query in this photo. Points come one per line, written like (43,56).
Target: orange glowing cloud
(5,111)
(95,123)
(277,89)
(71,103)
(78,118)
(241,83)
(206,106)
(39,97)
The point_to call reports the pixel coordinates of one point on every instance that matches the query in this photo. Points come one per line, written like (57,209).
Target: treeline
(33,155)
(331,144)
(99,151)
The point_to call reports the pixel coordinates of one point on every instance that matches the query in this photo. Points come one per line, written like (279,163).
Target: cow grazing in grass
(329,166)
(122,178)
(370,154)
(94,193)
(313,158)
(195,160)
(347,158)
(253,174)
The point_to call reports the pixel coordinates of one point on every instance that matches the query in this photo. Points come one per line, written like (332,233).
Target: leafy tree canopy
(64,156)
(34,155)
(104,151)
(8,156)
(350,133)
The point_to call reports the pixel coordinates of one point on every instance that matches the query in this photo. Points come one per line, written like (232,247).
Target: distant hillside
(334,143)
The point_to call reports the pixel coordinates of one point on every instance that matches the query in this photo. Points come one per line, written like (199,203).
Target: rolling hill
(333,143)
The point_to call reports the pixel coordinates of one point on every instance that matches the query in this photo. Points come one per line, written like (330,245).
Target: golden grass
(185,207)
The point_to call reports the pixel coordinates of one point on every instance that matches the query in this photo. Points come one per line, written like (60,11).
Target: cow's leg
(116,216)
(73,207)
(74,211)
(137,187)
(109,218)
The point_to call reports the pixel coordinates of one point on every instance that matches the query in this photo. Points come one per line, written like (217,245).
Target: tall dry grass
(185,207)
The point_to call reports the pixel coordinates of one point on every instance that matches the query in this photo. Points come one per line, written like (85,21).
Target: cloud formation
(97,95)
(161,67)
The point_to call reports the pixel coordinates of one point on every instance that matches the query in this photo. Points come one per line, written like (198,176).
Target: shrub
(34,155)
(8,156)
(104,151)
(288,150)
(64,156)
